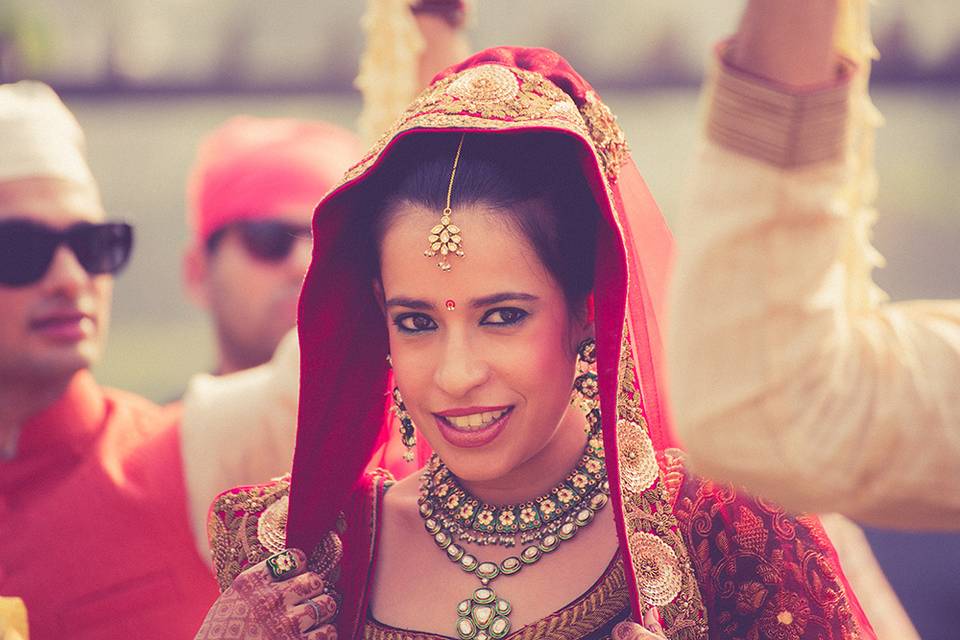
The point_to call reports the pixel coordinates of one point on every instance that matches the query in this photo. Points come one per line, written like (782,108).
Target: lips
(474,421)
(472,426)
(66,326)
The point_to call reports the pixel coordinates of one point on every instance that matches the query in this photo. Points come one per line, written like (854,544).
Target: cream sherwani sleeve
(791,374)
(238,429)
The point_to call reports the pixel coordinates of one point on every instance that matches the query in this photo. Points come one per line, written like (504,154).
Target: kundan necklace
(445,502)
(547,521)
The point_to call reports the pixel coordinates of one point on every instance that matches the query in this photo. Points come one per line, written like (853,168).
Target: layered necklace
(451,515)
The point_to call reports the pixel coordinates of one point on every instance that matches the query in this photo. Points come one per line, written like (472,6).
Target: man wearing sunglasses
(252,192)
(94,534)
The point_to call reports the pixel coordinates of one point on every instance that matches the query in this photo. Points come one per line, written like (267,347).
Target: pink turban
(256,168)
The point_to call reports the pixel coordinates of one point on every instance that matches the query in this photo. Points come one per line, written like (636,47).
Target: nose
(65,276)
(462,368)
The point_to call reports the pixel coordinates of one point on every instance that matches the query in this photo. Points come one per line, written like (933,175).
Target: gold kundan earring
(586,391)
(407,434)
(445,238)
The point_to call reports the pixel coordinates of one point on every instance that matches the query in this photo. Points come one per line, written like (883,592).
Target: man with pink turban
(251,196)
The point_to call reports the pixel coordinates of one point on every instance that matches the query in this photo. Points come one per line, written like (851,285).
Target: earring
(407,435)
(586,390)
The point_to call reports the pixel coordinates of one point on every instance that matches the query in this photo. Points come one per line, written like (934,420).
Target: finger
(326,632)
(260,574)
(299,588)
(651,620)
(309,614)
(327,606)
(286,564)
(628,630)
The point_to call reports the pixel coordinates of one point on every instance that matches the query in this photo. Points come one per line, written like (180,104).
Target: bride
(494,271)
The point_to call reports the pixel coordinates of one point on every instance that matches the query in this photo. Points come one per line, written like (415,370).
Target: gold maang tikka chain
(445,238)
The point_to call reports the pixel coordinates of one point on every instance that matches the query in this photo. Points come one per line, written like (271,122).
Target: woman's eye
(414,322)
(504,316)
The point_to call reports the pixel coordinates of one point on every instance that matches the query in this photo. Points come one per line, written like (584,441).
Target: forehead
(52,201)
(497,257)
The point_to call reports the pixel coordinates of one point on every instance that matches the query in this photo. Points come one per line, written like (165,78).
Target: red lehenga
(716,563)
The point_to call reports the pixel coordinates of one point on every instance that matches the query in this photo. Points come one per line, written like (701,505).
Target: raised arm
(791,374)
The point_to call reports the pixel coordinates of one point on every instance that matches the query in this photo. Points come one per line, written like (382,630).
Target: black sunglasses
(27,248)
(266,240)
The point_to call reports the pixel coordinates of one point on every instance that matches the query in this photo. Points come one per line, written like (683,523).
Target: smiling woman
(553,506)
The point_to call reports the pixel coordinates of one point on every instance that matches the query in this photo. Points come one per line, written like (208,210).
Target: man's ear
(195,271)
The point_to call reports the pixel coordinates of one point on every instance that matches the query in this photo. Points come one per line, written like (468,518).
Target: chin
(476,470)
(481,464)
(65,362)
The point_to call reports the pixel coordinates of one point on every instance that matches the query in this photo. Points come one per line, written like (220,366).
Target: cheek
(236,281)
(103,290)
(16,307)
(540,366)
(413,366)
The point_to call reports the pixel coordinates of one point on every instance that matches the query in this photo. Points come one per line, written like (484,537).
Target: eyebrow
(409,303)
(507,296)
(485,301)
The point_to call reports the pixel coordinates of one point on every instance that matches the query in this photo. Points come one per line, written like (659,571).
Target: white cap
(39,137)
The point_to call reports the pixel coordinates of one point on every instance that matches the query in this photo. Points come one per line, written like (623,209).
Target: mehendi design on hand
(256,606)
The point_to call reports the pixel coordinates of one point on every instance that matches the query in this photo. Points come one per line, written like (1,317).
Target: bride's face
(488,381)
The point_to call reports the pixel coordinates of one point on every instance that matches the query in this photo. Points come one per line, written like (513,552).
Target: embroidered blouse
(762,572)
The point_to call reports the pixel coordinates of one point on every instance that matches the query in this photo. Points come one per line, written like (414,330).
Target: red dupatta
(343,338)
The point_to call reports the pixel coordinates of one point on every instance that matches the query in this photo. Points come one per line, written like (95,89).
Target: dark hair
(511,173)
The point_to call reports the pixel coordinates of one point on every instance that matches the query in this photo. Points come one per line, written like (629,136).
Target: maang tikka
(445,238)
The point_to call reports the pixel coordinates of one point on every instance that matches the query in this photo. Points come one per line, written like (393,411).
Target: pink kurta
(94,534)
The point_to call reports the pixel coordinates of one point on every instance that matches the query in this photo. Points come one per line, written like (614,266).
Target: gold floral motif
(272,525)
(487,83)
(657,567)
(785,617)
(638,461)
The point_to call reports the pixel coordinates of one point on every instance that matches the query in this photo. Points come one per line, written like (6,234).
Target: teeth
(475,420)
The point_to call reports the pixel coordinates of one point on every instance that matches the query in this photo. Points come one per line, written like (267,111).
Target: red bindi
(450,304)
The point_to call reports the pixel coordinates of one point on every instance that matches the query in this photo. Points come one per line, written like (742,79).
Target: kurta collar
(68,425)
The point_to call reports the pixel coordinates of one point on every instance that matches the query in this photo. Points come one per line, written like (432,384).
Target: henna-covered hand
(651,629)
(257,605)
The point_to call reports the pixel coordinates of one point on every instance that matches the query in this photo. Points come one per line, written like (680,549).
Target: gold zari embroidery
(494,97)
(248,525)
(661,563)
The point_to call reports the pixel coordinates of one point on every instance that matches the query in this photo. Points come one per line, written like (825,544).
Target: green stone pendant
(483,616)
